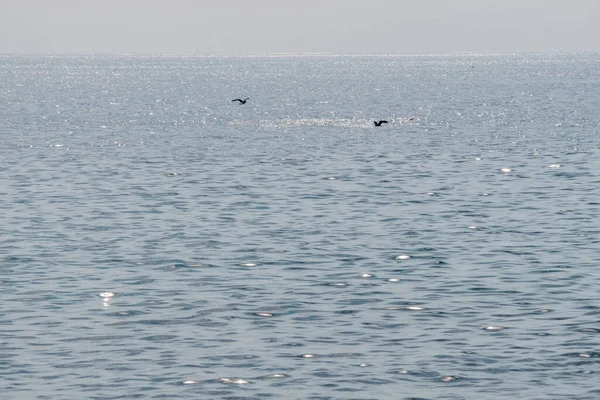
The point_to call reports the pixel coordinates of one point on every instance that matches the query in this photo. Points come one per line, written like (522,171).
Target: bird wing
(236,100)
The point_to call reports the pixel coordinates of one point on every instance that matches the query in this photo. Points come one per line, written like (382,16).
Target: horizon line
(296,54)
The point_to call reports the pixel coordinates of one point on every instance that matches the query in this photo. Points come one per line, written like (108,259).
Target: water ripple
(159,243)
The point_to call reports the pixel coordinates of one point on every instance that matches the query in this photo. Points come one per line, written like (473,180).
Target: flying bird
(241,101)
(378,123)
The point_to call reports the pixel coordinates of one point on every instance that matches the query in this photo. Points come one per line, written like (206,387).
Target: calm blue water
(251,249)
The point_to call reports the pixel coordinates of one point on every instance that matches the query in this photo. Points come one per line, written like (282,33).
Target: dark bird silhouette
(378,123)
(241,101)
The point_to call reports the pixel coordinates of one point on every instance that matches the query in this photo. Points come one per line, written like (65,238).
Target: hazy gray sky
(301,26)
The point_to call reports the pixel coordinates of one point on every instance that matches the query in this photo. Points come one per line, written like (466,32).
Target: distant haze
(303,26)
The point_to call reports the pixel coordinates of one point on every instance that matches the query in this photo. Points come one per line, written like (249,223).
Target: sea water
(159,241)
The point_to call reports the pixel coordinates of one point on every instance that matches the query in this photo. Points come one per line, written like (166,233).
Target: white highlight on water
(234,381)
(276,376)
(494,328)
(264,314)
(449,378)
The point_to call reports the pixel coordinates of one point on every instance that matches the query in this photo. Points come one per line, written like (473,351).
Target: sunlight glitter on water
(235,381)
(263,314)
(494,328)
(202,216)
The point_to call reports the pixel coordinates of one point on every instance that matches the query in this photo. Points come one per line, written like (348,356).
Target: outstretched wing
(240,100)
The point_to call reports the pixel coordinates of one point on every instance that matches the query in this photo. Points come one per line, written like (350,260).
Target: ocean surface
(159,241)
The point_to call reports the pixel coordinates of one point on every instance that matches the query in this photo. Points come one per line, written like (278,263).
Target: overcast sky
(302,26)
